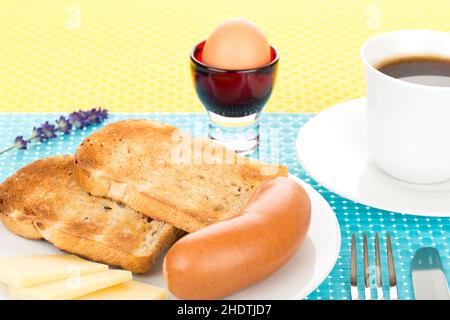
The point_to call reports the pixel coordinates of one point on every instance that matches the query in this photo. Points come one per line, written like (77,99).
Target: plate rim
(309,289)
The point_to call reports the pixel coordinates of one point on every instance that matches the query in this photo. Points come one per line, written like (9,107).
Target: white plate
(304,272)
(332,148)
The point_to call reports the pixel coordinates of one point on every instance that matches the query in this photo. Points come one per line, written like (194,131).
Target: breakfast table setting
(352,133)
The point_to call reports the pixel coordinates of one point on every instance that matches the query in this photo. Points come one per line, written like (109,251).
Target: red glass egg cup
(233,99)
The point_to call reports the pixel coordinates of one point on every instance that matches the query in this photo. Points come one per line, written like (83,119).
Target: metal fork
(367,271)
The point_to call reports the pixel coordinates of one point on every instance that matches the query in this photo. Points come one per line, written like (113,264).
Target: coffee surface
(425,70)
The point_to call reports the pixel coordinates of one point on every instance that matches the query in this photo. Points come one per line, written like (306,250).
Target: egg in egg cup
(233,99)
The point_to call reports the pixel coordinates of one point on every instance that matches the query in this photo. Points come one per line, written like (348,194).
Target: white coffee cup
(408,123)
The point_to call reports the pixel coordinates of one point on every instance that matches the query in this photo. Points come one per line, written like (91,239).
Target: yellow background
(133,55)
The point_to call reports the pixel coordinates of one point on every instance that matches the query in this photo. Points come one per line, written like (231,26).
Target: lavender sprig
(76,120)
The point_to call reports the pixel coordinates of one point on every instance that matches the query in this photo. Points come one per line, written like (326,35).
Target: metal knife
(428,276)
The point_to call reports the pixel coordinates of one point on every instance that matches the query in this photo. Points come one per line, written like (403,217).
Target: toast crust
(43,200)
(166,174)
(21,225)
(105,253)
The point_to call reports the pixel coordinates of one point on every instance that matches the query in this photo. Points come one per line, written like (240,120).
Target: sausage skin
(230,255)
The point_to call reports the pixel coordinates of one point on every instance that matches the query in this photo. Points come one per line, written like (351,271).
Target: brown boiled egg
(236,44)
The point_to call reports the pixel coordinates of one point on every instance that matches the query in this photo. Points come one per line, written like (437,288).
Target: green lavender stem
(7,149)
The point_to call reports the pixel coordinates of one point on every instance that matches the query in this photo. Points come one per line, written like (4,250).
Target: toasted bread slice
(43,200)
(166,174)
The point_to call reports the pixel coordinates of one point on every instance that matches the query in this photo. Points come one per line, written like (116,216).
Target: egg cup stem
(240,134)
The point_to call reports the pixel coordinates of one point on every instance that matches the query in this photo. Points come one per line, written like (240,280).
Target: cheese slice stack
(71,288)
(56,277)
(32,270)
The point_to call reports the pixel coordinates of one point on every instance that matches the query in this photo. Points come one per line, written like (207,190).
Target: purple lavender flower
(85,116)
(38,134)
(94,116)
(48,130)
(63,125)
(103,113)
(20,143)
(77,119)
(98,115)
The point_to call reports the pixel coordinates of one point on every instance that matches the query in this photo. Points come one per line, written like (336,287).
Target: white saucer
(332,148)
(303,273)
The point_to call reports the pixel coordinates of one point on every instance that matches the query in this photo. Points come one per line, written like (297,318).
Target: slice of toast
(43,200)
(166,174)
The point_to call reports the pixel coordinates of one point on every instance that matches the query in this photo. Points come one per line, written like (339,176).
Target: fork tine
(378,267)
(353,271)
(393,294)
(366,268)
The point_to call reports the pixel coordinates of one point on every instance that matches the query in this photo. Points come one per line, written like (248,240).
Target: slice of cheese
(73,287)
(131,290)
(28,271)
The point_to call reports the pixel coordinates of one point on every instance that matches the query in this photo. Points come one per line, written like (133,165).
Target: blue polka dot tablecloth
(409,233)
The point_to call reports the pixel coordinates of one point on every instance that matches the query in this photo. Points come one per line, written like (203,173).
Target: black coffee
(426,70)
